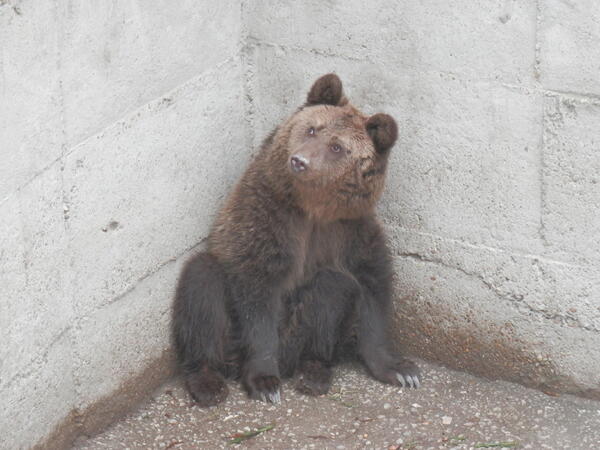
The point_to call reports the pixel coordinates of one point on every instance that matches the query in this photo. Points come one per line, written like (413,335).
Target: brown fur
(296,262)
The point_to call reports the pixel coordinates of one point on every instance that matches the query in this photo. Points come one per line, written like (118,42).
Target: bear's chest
(317,246)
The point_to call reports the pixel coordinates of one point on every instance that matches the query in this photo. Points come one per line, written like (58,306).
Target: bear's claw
(274,397)
(271,397)
(410,381)
(265,388)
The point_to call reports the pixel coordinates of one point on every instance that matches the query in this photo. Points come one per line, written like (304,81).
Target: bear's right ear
(327,90)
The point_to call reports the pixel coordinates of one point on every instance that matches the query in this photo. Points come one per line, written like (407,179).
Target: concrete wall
(493,196)
(114,119)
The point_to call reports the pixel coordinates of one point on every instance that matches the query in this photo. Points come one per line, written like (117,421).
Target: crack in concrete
(248,74)
(143,277)
(467,244)
(489,285)
(33,365)
(537,72)
(542,170)
(515,299)
(579,97)
(155,102)
(542,181)
(42,359)
(254,41)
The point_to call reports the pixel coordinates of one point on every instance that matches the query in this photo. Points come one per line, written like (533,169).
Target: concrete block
(569,54)
(476,38)
(118,56)
(464,145)
(467,162)
(571,180)
(36,306)
(117,342)
(521,317)
(36,402)
(30,119)
(145,189)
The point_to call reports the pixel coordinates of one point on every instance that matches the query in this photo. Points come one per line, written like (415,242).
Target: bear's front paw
(401,372)
(264,387)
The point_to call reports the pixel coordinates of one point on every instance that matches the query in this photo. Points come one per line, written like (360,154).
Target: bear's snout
(299,163)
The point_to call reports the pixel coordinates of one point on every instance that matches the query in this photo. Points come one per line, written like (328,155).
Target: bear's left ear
(327,90)
(383,131)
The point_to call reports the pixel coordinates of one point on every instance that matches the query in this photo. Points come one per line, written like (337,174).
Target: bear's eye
(312,131)
(336,148)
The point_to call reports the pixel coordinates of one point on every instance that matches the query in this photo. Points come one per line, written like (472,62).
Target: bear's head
(337,157)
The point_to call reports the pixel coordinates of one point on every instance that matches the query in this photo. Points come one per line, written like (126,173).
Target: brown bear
(297,272)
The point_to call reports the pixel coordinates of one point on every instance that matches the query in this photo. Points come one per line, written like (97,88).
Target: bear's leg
(292,339)
(374,322)
(258,311)
(201,328)
(374,347)
(325,302)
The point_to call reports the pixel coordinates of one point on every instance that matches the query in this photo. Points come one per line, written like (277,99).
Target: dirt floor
(450,410)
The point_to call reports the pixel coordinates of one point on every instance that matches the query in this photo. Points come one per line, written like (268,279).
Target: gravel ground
(450,410)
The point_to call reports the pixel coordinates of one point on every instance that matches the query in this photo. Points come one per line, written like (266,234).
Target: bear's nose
(299,163)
